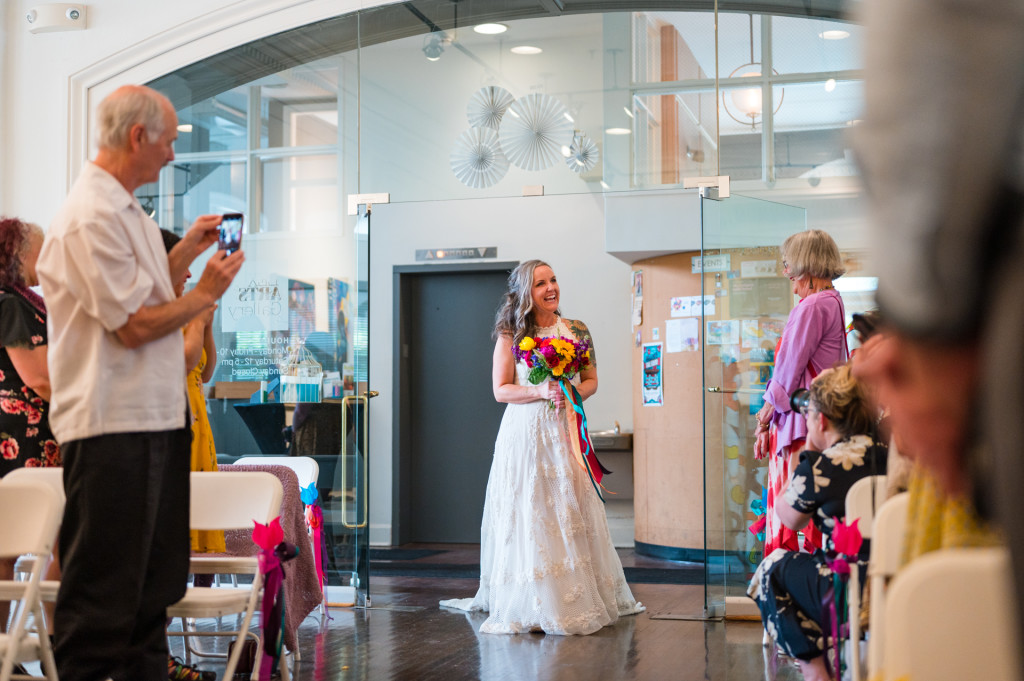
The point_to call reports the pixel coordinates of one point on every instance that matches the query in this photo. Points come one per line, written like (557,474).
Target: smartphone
(230,232)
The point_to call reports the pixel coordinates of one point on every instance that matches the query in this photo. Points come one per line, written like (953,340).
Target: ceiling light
(834,34)
(618,131)
(568,117)
(604,185)
(566,151)
(433,46)
(830,85)
(490,29)
(628,112)
(526,49)
(185,127)
(746,102)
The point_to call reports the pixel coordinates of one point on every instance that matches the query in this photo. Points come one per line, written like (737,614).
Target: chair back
(232,501)
(31,513)
(865,497)
(307,470)
(886,555)
(51,475)
(950,617)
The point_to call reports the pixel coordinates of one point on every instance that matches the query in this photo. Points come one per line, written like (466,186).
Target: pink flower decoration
(847,538)
(9,448)
(267,537)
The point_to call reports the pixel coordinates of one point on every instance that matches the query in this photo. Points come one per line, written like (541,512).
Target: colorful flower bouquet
(555,358)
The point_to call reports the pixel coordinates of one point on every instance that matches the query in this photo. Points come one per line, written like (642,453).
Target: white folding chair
(228,501)
(865,497)
(31,514)
(54,477)
(950,616)
(886,554)
(307,470)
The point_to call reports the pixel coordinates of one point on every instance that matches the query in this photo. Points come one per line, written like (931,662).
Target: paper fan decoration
(533,131)
(583,154)
(487,106)
(477,159)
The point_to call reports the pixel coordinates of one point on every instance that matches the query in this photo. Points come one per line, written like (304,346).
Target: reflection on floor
(406,636)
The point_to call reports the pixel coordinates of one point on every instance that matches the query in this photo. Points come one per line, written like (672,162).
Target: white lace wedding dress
(546,557)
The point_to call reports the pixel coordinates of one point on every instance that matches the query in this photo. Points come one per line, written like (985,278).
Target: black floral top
(822,479)
(25,437)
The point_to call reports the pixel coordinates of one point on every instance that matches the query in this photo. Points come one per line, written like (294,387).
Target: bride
(546,558)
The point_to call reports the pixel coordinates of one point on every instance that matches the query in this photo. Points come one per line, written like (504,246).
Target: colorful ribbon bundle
(579,439)
(315,523)
(273,552)
(846,543)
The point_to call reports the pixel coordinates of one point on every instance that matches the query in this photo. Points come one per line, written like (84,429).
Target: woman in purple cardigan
(814,340)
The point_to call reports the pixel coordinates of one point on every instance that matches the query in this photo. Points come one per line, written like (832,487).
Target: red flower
(11,406)
(34,415)
(9,448)
(51,450)
(3,377)
(31,432)
(33,463)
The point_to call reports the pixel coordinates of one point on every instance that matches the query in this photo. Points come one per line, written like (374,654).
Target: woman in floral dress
(791,588)
(25,437)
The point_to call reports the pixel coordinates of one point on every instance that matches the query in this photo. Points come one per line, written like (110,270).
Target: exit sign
(457,253)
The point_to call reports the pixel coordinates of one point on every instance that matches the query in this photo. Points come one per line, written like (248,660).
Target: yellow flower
(557,371)
(527,344)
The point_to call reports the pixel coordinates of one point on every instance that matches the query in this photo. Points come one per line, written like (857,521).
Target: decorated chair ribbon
(315,523)
(579,439)
(846,543)
(273,552)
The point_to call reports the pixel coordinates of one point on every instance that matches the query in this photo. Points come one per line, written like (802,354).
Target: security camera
(73,13)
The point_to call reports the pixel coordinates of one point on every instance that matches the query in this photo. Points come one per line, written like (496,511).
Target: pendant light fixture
(747,102)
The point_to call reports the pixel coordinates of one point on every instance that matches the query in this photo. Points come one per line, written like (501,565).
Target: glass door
(746,302)
(346,515)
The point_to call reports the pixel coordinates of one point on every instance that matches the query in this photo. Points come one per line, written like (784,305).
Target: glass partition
(751,299)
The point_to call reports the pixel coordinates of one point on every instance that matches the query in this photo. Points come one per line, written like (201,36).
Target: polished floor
(405,636)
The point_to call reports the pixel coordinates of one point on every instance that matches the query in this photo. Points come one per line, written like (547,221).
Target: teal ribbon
(576,400)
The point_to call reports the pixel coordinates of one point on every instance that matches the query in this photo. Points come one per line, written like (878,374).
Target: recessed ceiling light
(834,34)
(604,185)
(526,49)
(830,85)
(185,127)
(628,112)
(618,131)
(490,29)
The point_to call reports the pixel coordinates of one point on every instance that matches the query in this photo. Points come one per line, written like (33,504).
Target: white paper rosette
(477,159)
(487,106)
(533,131)
(583,154)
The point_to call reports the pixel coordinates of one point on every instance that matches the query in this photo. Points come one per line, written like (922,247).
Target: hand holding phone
(230,232)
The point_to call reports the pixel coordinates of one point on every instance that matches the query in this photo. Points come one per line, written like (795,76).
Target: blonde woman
(792,589)
(813,340)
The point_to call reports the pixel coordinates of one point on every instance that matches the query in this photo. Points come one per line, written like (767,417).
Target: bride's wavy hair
(515,316)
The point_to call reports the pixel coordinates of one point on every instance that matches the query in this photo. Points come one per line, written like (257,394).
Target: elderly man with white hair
(119,408)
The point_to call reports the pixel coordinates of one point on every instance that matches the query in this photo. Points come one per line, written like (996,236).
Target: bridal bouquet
(556,357)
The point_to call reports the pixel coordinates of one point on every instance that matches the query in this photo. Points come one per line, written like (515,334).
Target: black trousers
(124,554)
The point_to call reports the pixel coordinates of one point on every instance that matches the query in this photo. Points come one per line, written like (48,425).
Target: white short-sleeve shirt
(102,260)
